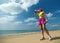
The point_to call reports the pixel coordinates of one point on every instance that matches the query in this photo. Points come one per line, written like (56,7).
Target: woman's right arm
(35,12)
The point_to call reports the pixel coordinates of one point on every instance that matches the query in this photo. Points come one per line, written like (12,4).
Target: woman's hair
(40,9)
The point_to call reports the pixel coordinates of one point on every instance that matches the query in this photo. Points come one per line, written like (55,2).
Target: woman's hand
(46,20)
(35,13)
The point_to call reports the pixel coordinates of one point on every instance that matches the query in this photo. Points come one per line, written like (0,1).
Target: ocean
(19,32)
(16,32)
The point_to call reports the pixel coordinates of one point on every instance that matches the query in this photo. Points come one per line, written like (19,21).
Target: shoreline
(26,33)
(31,38)
(18,34)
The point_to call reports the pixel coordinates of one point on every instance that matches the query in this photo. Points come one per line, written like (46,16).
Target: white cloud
(17,22)
(55,25)
(7,19)
(58,11)
(28,3)
(49,14)
(13,7)
(30,23)
(30,19)
(12,0)
(33,23)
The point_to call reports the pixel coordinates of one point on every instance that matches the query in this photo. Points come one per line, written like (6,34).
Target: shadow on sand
(55,38)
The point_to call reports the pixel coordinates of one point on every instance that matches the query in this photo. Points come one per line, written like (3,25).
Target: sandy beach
(32,38)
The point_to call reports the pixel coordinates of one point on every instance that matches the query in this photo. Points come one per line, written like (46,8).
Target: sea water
(16,32)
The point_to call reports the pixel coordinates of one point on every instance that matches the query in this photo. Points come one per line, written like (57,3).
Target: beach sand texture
(32,38)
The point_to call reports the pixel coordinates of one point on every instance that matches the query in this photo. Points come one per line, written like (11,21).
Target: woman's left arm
(46,17)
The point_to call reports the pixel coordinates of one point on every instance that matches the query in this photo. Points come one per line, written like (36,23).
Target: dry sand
(32,38)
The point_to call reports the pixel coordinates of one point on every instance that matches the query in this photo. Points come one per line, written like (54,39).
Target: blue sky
(19,14)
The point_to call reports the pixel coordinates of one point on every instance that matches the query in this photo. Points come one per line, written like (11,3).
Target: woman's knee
(43,26)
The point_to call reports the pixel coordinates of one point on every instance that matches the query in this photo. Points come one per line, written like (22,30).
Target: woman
(42,22)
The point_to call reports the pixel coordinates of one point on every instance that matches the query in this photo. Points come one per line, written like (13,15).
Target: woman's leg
(44,27)
(42,32)
(46,31)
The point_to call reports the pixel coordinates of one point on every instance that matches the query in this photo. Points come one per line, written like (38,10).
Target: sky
(19,14)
